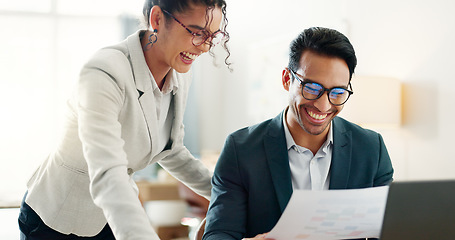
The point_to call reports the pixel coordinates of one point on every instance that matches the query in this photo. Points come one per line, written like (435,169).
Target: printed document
(332,214)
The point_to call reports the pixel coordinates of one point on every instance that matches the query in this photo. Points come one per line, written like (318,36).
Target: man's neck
(305,139)
(312,142)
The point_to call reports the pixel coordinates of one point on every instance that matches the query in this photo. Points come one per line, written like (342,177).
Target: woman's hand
(259,236)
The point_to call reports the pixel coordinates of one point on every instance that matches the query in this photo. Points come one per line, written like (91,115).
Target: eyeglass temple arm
(181,24)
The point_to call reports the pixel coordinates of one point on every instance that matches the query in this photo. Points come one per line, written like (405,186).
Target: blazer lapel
(178,103)
(143,81)
(277,157)
(341,156)
(147,102)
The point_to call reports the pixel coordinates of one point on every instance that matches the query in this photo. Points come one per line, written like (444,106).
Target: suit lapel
(147,102)
(177,103)
(146,98)
(341,155)
(143,81)
(277,157)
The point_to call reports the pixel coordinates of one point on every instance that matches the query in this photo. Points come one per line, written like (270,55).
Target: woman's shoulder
(115,56)
(112,60)
(109,57)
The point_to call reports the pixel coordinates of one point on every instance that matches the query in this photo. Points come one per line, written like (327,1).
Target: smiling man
(305,147)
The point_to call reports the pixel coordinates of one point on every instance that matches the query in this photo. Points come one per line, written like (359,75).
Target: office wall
(408,40)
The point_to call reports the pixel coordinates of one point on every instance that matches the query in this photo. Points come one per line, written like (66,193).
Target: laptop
(420,210)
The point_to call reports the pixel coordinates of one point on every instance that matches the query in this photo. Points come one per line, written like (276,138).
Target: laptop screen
(420,210)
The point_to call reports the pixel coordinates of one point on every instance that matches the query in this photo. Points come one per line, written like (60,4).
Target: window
(44,44)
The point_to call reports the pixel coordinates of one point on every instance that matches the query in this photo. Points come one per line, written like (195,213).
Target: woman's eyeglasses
(312,91)
(202,36)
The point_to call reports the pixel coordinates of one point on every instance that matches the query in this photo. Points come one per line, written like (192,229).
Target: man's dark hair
(322,41)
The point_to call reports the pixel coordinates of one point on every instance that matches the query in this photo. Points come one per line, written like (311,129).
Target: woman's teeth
(317,116)
(189,56)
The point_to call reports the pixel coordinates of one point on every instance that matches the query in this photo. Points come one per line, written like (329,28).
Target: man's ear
(156,17)
(286,79)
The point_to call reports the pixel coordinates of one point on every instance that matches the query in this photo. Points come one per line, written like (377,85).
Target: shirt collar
(290,140)
(170,83)
(329,140)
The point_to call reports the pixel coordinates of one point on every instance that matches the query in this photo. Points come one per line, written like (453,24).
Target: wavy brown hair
(181,6)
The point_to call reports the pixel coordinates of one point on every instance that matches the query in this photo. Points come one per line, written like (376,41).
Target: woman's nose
(205,47)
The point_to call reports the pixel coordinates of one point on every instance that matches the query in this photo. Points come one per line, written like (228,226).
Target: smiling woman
(126,113)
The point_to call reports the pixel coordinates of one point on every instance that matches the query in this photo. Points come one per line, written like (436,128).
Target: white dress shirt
(164,109)
(308,171)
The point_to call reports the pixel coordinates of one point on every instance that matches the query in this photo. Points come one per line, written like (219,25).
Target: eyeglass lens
(202,37)
(312,91)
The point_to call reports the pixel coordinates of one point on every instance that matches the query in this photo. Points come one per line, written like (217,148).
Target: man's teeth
(189,56)
(317,116)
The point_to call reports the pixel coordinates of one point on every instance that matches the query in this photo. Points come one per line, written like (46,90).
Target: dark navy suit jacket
(252,178)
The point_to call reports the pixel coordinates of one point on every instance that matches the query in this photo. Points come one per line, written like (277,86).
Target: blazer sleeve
(180,163)
(226,217)
(189,170)
(384,175)
(100,97)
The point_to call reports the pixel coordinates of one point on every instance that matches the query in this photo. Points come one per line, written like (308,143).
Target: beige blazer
(109,134)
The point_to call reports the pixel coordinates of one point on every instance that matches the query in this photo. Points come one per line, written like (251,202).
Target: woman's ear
(286,79)
(156,17)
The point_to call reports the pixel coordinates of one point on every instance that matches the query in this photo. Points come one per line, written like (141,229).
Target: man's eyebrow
(308,80)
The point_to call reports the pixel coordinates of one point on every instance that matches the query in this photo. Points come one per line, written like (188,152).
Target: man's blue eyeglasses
(312,91)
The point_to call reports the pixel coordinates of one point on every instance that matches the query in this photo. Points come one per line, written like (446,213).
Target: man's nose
(322,103)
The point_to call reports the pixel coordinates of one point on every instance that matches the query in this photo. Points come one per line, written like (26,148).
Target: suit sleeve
(100,98)
(384,175)
(226,218)
(189,170)
(181,163)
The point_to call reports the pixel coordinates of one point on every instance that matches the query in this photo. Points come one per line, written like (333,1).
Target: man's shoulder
(256,129)
(342,125)
(269,127)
